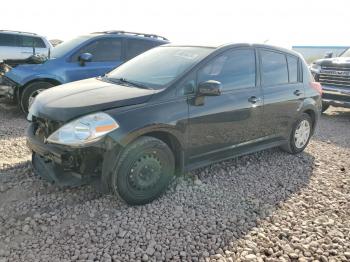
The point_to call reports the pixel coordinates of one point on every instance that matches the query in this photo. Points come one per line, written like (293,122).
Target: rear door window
(135,47)
(274,70)
(234,69)
(102,50)
(292,68)
(8,40)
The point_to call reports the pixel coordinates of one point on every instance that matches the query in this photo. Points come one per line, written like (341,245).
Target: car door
(232,118)
(283,90)
(106,55)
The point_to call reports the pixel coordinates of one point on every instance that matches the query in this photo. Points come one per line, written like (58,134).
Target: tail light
(317,86)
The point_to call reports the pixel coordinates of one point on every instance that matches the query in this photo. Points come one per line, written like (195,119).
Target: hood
(334,62)
(65,102)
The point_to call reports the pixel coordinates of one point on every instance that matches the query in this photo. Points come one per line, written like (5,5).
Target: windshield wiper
(129,82)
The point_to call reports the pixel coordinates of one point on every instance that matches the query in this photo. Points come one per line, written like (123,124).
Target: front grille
(335,76)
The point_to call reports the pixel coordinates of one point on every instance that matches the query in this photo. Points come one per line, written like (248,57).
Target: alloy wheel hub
(302,133)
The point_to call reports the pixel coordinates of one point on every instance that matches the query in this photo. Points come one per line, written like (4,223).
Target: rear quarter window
(274,70)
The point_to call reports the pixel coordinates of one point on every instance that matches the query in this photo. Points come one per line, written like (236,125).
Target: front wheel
(300,135)
(144,171)
(30,92)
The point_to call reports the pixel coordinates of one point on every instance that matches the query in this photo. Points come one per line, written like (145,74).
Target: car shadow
(212,208)
(250,188)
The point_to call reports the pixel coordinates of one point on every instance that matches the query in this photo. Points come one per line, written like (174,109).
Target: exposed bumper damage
(4,85)
(63,165)
(7,86)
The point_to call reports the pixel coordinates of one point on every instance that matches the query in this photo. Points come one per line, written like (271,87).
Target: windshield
(346,53)
(159,66)
(65,47)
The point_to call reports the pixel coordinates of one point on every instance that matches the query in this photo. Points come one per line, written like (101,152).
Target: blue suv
(83,57)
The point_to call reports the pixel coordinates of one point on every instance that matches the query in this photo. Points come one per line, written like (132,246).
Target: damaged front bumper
(6,85)
(7,88)
(63,165)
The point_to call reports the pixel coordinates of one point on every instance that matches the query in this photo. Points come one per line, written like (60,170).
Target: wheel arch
(170,135)
(44,79)
(173,143)
(313,115)
(310,107)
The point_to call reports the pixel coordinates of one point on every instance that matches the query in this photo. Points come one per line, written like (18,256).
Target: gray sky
(284,22)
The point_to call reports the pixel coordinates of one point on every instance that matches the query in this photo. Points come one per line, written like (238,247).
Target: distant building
(312,53)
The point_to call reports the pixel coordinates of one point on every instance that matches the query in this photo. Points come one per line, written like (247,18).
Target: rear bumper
(336,96)
(64,166)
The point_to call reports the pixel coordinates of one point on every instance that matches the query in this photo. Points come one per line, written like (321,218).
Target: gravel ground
(268,206)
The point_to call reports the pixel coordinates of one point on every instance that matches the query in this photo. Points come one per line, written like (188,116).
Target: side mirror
(85,57)
(209,88)
(328,55)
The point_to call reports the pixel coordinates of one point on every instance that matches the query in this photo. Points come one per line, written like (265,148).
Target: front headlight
(84,130)
(315,67)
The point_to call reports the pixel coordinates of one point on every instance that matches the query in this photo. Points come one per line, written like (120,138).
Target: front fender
(125,137)
(38,77)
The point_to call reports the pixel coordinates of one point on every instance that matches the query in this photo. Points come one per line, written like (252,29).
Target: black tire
(291,146)
(324,107)
(143,171)
(32,90)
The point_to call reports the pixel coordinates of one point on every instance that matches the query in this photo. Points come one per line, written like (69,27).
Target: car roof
(127,34)
(231,45)
(19,33)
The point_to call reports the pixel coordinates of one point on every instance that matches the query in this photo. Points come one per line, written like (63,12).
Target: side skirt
(236,152)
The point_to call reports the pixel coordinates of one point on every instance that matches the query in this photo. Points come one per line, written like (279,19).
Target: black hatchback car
(170,110)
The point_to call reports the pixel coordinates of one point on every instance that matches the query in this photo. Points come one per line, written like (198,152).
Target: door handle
(297,92)
(253,99)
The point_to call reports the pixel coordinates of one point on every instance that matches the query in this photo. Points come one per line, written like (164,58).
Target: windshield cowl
(125,82)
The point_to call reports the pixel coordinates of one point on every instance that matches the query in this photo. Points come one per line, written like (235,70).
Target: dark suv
(334,75)
(170,110)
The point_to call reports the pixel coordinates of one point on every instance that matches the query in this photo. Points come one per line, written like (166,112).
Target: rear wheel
(143,171)
(30,92)
(300,135)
